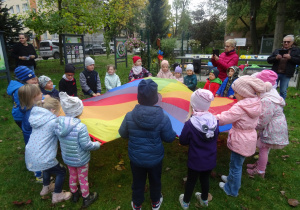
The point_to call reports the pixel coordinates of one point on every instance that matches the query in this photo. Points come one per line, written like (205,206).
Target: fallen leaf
(244,208)
(118,208)
(118,167)
(258,198)
(184,179)
(257,190)
(293,202)
(210,197)
(0,141)
(119,185)
(167,169)
(282,192)
(18,203)
(45,197)
(63,206)
(18,147)
(213,174)
(121,162)
(123,167)
(283,174)
(285,156)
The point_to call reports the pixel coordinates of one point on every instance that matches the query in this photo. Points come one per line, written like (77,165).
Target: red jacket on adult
(225,61)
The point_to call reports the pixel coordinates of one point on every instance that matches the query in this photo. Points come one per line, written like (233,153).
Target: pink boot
(252,166)
(255,171)
(59,197)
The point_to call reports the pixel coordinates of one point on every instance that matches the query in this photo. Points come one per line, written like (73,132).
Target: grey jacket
(112,81)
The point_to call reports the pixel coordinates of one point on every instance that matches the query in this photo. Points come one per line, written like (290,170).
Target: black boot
(90,199)
(76,196)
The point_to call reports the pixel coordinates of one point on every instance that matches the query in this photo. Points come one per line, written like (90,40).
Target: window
(17,9)
(11,10)
(25,7)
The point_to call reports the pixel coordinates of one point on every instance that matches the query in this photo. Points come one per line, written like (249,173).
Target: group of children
(259,108)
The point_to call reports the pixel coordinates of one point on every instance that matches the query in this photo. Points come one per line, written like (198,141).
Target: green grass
(114,187)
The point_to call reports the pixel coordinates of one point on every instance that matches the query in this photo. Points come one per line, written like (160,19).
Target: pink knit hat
(248,86)
(164,62)
(201,99)
(268,76)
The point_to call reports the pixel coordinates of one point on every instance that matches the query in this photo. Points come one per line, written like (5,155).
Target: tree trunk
(254,6)
(279,26)
(176,23)
(60,36)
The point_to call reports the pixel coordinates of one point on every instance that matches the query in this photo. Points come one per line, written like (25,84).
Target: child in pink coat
(242,137)
(272,126)
(165,71)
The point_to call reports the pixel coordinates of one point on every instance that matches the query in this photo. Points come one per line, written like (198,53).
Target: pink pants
(263,158)
(79,174)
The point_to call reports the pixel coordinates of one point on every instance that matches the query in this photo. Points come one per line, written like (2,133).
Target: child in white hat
(191,79)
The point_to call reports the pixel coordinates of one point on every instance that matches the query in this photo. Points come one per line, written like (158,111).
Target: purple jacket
(202,155)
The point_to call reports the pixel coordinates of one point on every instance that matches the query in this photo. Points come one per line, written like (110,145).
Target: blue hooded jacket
(12,90)
(221,89)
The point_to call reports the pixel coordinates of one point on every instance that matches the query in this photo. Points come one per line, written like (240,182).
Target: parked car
(111,46)
(92,49)
(138,50)
(49,48)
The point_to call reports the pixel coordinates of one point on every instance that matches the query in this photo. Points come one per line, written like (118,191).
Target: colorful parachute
(104,114)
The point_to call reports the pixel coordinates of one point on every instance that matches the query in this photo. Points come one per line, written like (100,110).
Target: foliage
(167,46)
(184,23)
(134,43)
(195,45)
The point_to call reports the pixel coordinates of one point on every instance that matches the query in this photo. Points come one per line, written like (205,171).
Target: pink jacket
(167,75)
(224,62)
(244,117)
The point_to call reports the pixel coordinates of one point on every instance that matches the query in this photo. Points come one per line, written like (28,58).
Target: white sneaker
(221,185)
(47,189)
(224,178)
(183,204)
(202,202)
(59,197)
(156,206)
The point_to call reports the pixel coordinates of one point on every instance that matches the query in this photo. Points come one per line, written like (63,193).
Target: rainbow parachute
(104,114)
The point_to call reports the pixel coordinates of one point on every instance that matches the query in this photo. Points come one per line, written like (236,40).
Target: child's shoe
(59,197)
(76,196)
(255,171)
(183,204)
(202,202)
(47,189)
(252,166)
(91,198)
(39,180)
(224,178)
(135,207)
(156,205)
(221,185)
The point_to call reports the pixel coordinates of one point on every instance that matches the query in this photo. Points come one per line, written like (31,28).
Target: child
(47,86)
(89,79)
(146,126)
(75,146)
(213,83)
(225,90)
(178,74)
(137,70)
(24,76)
(242,137)
(165,71)
(111,79)
(191,79)
(200,132)
(68,82)
(41,150)
(272,126)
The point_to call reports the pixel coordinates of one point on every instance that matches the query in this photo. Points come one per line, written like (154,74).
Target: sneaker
(47,189)
(183,204)
(59,197)
(156,205)
(202,202)
(76,196)
(135,207)
(255,171)
(221,185)
(91,198)
(39,180)
(252,166)
(224,178)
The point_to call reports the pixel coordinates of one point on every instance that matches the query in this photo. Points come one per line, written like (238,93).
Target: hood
(274,97)
(13,86)
(206,123)
(217,80)
(147,117)
(252,106)
(65,125)
(108,75)
(40,116)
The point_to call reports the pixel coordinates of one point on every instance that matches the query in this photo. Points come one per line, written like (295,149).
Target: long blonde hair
(27,93)
(190,113)
(51,104)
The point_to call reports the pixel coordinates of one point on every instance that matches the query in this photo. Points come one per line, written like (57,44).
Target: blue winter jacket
(220,92)
(75,142)
(146,127)
(190,81)
(26,127)
(41,150)
(12,90)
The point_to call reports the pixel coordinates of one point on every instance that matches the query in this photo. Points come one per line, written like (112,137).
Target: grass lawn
(282,180)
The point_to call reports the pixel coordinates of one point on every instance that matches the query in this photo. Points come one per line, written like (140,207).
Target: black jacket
(20,50)
(68,86)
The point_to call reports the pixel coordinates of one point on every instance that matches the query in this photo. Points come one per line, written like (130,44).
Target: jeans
(60,171)
(191,182)
(283,81)
(234,178)
(139,176)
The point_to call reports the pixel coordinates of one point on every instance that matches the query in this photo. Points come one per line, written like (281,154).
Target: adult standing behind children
(226,59)
(89,79)
(68,82)
(137,70)
(146,126)
(24,53)
(284,65)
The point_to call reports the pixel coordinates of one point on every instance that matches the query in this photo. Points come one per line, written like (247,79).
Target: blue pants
(283,81)
(60,171)
(139,176)
(234,178)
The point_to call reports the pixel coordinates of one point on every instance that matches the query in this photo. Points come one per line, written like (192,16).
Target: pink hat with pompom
(164,62)
(201,99)
(268,76)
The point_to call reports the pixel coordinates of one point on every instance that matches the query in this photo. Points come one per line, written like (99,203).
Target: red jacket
(224,62)
(213,86)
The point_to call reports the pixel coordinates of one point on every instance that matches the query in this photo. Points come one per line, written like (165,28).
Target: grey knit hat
(43,80)
(72,106)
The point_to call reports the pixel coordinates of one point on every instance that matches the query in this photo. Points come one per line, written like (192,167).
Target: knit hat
(201,99)
(178,70)
(164,62)
(268,76)
(147,92)
(69,68)
(89,61)
(215,71)
(248,86)
(135,58)
(72,106)
(43,80)
(23,73)
(189,67)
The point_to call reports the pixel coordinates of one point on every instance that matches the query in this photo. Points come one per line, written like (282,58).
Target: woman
(227,59)
(24,53)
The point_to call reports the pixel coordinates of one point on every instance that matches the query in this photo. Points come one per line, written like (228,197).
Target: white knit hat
(190,67)
(89,61)
(72,106)
(201,99)
(43,80)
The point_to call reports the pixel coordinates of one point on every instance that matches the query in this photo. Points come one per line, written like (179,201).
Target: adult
(227,59)
(24,53)
(284,65)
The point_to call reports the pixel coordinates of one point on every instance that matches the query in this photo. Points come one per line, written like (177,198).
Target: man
(284,64)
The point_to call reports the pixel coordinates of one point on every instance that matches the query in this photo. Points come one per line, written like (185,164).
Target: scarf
(64,77)
(137,69)
(231,79)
